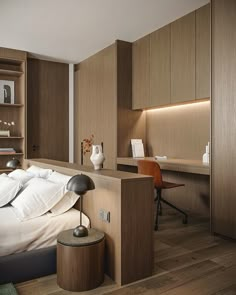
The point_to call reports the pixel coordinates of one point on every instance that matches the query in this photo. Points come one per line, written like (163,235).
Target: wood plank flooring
(188,261)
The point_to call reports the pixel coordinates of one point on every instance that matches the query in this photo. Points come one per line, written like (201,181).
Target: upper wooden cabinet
(141,73)
(203,52)
(183,59)
(160,67)
(172,64)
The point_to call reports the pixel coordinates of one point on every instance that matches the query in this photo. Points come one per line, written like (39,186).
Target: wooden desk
(180,165)
(195,195)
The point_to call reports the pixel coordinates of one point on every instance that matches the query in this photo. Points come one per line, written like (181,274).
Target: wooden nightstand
(80,261)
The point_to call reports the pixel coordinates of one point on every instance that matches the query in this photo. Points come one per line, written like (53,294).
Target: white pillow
(9,187)
(22,175)
(59,178)
(69,198)
(39,172)
(65,204)
(37,198)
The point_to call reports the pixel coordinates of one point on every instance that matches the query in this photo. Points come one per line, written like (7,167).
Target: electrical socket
(104,215)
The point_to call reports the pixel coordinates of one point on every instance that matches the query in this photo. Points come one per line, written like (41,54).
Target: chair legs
(159,209)
(185,219)
(158,197)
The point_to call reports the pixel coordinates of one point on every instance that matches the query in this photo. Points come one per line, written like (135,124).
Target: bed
(22,242)
(28,245)
(115,192)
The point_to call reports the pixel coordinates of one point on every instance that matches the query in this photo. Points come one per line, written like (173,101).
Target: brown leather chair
(152,168)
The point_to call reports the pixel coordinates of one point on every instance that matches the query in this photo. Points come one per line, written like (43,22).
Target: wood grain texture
(80,268)
(223,117)
(188,260)
(13,54)
(194,196)
(203,52)
(14,60)
(136,234)
(48,109)
(103,102)
(179,132)
(130,124)
(160,67)
(116,192)
(95,110)
(183,59)
(141,73)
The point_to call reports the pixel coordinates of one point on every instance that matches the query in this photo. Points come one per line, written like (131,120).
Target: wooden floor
(188,261)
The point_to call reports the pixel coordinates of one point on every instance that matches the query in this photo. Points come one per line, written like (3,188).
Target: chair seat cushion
(167,185)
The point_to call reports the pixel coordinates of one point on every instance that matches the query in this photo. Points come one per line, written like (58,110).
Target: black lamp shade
(80,184)
(13,164)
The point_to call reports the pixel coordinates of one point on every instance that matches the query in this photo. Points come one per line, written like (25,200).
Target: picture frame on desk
(7,91)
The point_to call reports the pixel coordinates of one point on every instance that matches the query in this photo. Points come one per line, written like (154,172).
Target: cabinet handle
(35,147)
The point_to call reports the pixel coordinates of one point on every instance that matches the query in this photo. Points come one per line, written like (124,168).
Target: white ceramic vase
(97,157)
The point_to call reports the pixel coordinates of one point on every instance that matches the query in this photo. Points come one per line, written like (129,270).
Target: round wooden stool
(80,261)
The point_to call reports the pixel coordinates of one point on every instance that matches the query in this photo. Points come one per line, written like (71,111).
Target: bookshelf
(12,68)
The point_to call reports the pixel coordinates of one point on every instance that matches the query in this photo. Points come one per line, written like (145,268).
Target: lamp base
(80,231)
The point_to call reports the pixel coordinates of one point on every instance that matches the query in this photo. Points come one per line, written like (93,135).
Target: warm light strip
(179,106)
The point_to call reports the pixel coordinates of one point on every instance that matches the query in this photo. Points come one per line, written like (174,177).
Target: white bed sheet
(18,236)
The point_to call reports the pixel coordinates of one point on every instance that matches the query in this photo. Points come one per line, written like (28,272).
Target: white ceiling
(72,30)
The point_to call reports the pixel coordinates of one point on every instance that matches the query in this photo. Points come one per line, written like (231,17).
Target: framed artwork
(7,91)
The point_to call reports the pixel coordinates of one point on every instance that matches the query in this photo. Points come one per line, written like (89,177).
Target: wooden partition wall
(129,234)
(223,117)
(103,101)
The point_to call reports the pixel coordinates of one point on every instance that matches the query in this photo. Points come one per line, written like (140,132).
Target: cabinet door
(183,59)
(160,67)
(140,72)
(203,52)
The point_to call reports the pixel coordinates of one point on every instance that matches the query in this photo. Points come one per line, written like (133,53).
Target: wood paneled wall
(95,104)
(223,117)
(48,109)
(103,101)
(179,132)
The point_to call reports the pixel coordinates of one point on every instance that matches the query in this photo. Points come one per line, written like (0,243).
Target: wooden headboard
(129,234)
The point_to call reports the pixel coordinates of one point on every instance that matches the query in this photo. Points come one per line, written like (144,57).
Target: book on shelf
(7,151)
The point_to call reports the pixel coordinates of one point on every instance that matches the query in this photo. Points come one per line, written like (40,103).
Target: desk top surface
(180,165)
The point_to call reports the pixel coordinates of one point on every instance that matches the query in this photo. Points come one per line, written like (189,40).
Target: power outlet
(104,215)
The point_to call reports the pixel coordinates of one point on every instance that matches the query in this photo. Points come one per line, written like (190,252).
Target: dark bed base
(27,265)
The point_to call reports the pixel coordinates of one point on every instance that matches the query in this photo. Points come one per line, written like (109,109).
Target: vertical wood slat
(223,117)
(141,73)
(183,59)
(203,52)
(160,67)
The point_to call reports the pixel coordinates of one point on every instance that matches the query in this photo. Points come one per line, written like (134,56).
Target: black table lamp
(80,184)
(13,163)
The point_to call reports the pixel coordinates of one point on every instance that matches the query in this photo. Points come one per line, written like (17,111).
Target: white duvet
(18,236)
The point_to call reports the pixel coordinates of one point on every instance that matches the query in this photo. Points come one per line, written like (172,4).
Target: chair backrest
(151,168)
